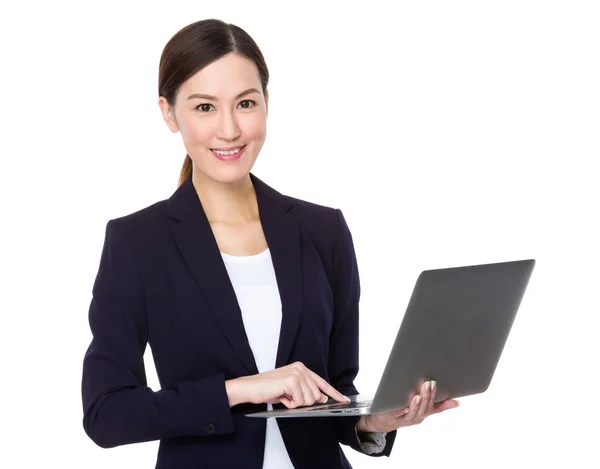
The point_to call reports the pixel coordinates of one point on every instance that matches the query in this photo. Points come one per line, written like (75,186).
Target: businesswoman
(248,298)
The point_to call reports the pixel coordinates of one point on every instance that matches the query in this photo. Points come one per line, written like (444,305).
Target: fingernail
(418,400)
(427,386)
(433,383)
(348,399)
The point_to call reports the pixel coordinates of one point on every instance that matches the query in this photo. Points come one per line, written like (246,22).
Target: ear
(168,114)
(267,103)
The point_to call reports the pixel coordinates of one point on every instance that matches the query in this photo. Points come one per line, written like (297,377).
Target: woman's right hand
(292,385)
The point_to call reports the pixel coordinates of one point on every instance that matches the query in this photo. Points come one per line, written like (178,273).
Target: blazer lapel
(198,246)
(282,232)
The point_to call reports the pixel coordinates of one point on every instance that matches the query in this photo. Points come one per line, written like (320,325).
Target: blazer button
(210,428)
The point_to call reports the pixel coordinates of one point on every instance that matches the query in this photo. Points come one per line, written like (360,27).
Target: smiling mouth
(230,151)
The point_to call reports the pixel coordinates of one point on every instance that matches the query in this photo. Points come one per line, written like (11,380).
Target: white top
(255,285)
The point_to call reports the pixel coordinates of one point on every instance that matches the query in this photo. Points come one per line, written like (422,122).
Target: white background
(449,133)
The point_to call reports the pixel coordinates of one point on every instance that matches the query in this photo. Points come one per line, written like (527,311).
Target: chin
(230,177)
(228,174)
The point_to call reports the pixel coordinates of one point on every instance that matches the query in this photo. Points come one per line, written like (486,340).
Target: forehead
(223,78)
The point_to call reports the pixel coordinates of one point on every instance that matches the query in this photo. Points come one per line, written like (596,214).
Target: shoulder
(313,211)
(325,225)
(141,222)
(317,215)
(320,220)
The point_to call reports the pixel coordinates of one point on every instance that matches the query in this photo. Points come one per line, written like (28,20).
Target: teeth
(227,153)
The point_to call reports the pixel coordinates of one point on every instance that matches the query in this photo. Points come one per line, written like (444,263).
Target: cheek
(194,133)
(254,128)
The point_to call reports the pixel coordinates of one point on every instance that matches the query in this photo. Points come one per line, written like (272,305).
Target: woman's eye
(204,107)
(247,103)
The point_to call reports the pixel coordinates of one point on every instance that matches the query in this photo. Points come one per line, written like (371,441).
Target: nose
(228,128)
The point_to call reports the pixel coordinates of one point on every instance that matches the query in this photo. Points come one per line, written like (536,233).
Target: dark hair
(196,46)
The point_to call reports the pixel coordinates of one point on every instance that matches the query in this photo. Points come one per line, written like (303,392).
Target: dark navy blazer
(162,281)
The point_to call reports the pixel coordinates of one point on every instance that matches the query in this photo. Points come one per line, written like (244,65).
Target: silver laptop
(454,330)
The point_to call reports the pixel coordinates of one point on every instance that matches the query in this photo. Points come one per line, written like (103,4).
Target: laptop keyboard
(351,405)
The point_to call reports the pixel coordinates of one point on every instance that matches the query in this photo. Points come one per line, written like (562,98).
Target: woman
(248,298)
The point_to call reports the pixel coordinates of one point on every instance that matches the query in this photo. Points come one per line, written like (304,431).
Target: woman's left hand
(421,406)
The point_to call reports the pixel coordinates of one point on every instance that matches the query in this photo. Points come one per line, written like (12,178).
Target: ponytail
(186,170)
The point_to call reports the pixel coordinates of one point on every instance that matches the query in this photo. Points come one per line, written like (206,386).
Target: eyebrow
(214,98)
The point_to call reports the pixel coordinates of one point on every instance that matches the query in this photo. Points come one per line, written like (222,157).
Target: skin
(236,115)
(421,406)
(224,188)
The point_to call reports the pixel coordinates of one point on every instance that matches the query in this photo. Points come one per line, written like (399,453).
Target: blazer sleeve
(119,408)
(343,343)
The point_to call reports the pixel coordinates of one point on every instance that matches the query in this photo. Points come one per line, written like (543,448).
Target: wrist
(235,392)
(363,425)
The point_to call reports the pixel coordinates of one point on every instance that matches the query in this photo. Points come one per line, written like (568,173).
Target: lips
(228,154)
(228,148)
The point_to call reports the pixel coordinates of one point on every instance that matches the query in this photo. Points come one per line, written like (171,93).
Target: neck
(226,202)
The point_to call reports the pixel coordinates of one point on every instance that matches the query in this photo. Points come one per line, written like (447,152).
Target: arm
(119,408)
(343,349)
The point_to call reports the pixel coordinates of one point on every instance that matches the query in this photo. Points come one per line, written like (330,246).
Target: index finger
(328,388)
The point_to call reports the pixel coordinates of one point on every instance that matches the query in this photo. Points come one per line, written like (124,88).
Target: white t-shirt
(255,285)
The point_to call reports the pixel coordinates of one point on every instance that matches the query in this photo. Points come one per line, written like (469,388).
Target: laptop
(454,330)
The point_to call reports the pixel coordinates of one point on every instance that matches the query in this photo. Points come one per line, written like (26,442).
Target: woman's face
(221,108)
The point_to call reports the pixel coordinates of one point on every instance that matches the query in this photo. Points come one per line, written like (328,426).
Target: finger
(400,412)
(315,392)
(413,409)
(298,368)
(318,396)
(307,395)
(285,399)
(286,402)
(294,390)
(446,405)
(431,405)
(424,404)
(328,388)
